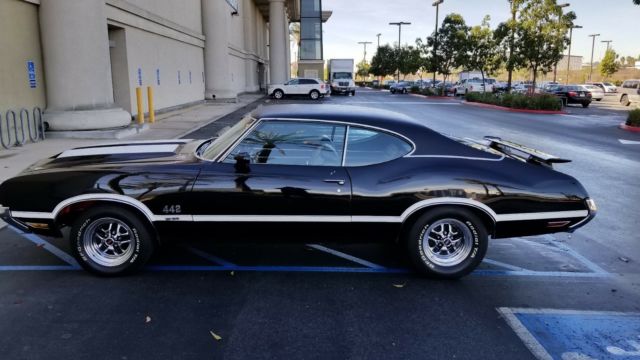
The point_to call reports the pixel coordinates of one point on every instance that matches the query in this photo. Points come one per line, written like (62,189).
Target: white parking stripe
(629,142)
(345,256)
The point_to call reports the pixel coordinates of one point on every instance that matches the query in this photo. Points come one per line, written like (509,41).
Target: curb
(528,111)
(630,128)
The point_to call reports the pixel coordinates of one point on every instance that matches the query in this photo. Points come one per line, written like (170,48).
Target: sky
(360,20)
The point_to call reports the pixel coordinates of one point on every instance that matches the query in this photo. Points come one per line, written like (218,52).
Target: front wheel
(404,91)
(278,94)
(314,95)
(353,93)
(111,241)
(447,242)
(624,100)
(392,91)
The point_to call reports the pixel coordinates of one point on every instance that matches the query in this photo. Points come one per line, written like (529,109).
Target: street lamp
(569,55)
(608,42)
(378,35)
(435,44)
(399,24)
(364,58)
(593,44)
(555,67)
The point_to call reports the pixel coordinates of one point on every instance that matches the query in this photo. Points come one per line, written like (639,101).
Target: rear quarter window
(368,147)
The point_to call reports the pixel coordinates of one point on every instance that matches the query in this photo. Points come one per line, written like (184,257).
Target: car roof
(426,141)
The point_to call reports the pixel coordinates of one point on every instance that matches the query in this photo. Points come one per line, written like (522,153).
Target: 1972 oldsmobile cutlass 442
(300,165)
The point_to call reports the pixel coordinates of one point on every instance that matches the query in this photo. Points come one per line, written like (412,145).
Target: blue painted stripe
(47,246)
(210,257)
(37,268)
(486,272)
(323,269)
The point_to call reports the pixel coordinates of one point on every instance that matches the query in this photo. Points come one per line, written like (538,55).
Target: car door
(292,87)
(280,171)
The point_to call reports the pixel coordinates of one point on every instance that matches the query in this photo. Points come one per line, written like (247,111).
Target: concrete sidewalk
(170,125)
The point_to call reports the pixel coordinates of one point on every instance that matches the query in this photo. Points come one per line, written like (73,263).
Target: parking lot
(561,296)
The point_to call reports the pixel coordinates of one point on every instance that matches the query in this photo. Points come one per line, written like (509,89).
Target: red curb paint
(529,111)
(626,127)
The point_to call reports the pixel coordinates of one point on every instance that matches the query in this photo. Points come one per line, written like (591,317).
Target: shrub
(634,118)
(517,101)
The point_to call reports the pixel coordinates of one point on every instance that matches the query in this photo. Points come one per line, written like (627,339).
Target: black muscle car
(291,165)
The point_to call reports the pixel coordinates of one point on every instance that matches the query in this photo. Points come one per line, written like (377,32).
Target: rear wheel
(393,91)
(585,104)
(624,100)
(404,91)
(111,241)
(278,94)
(447,242)
(314,95)
(353,93)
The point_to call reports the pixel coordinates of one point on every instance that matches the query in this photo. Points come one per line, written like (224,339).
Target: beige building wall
(19,43)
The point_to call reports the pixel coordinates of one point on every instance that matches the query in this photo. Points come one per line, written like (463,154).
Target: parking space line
(210,257)
(346,256)
(586,262)
(48,246)
(524,334)
(504,265)
(37,268)
(487,272)
(629,142)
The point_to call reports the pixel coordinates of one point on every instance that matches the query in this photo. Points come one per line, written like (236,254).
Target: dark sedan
(303,167)
(573,94)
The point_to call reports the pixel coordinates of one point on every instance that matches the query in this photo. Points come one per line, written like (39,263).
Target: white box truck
(341,76)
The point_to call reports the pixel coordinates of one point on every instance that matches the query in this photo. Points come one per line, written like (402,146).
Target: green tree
(637,2)
(541,36)
(452,46)
(426,63)
(383,62)
(363,69)
(631,61)
(484,53)
(609,65)
(409,60)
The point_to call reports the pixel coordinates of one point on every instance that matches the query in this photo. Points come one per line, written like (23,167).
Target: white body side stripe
(301,218)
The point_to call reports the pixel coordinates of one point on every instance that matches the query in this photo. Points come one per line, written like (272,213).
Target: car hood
(118,154)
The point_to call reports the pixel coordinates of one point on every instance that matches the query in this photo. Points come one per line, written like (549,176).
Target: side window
(307,82)
(293,143)
(293,82)
(367,147)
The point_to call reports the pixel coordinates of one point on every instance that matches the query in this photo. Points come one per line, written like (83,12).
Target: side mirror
(243,160)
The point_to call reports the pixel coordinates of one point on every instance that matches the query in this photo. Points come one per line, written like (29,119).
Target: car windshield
(608,84)
(211,149)
(342,76)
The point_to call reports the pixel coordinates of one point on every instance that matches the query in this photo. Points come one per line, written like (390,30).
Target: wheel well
(69,213)
(486,219)
(278,89)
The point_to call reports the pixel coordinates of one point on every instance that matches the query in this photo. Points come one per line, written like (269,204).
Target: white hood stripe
(113,150)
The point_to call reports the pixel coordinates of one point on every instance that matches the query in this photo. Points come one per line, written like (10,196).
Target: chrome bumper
(5,215)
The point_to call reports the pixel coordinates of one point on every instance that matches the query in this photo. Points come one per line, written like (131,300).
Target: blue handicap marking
(31,74)
(577,335)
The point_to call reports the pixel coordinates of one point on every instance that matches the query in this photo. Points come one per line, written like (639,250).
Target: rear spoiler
(524,152)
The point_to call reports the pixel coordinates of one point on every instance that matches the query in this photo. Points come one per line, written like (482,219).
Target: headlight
(591,205)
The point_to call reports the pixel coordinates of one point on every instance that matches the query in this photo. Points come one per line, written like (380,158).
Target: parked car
(597,93)
(329,168)
(605,86)
(629,92)
(313,88)
(466,86)
(550,88)
(402,87)
(573,94)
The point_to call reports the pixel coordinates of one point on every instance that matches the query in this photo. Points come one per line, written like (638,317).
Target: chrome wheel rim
(278,95)
(108,242)
(314,95)
(447,242)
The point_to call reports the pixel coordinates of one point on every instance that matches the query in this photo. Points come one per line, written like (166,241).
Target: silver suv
(629,92)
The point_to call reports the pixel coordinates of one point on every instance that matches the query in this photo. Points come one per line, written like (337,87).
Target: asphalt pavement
(556,296)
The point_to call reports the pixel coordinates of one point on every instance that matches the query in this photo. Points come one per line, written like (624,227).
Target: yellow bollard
(152,114)
(139,102)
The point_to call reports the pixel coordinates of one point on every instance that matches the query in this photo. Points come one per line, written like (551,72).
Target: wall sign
(158,77)
(233,4)
(139,76)
(31,74)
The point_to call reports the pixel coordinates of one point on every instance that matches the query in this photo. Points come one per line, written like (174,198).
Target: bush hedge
(634,118)
(518,101)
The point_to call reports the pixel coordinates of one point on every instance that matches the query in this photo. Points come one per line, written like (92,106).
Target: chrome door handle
(335,181)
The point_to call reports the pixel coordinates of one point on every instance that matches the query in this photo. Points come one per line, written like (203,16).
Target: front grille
(343,83)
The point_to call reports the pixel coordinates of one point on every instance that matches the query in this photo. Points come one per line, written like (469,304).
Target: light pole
(608,42)
(569,55)
(364,58)
(555,67)
(593,44)
(399,24)
(378,35)
(435,44)
(511,41)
